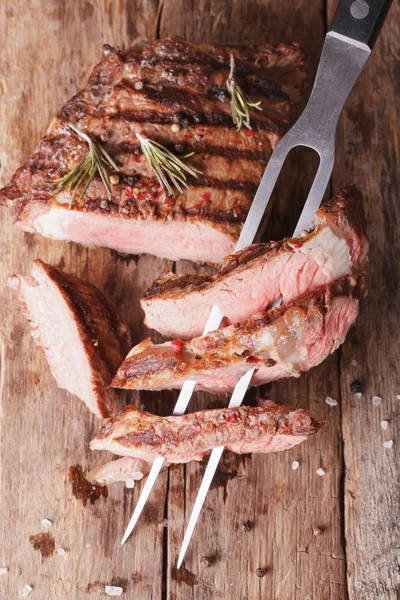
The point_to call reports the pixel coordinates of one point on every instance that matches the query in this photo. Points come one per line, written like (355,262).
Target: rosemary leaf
(240,101)
(169,169)
(96,159)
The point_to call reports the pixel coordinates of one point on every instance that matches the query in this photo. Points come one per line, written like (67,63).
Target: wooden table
(266,532)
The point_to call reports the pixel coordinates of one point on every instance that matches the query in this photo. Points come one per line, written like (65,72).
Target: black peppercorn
(356,387)
(247,526)
(260,572)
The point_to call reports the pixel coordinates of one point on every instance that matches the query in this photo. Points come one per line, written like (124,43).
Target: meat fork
(346,50)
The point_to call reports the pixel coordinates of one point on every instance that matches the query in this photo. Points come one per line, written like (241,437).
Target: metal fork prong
(319,185)
(263,194)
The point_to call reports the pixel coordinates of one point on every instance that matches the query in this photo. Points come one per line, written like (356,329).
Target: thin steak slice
(126,469)
(140,436)
(282,342)
(79,329)
(250,280)
(173,93)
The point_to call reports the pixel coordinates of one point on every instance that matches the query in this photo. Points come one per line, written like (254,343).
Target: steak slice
(282,342)
(250,280)
(141,436)
(79,329)
(123,469)
(148,89)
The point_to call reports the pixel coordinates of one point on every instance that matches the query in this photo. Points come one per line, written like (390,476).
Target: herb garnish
(96,159)
(169,169)
(240,101)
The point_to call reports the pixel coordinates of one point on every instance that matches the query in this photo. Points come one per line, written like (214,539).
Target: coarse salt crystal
(388,444)
(376,400)
(165,522)
(130,483)
(330,401)
(112,590)
(358,584)
(26,591)
(321,472)
(3,570)
(353,363)
(358,395)
(295,465)
(46,524)
(384,425)
(61,552)
(397,396)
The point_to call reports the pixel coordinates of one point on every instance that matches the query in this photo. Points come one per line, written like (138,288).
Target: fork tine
(264,191)
(317,191)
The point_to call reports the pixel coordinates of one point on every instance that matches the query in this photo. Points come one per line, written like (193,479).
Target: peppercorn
(356,387)
(260,572)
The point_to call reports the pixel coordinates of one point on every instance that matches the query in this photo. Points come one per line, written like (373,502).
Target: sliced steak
(140,436)
(123,469)
(79,329)
(147,90)
(282,342)
(250,280)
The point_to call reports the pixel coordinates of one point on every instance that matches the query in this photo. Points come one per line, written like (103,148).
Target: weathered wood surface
(260,515)
(368,137)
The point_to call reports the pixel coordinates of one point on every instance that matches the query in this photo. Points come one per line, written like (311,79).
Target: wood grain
(48,51)
(256,536)
(368,137)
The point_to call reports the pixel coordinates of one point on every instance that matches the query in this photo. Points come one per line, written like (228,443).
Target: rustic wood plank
(255,536)
(260,515)
(368,137)
(48,50)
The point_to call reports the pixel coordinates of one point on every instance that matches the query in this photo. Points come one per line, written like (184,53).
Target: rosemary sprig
(240,101)
(169,169)
(96,159)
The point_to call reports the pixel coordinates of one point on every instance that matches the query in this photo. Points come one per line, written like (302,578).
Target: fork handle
(360,20)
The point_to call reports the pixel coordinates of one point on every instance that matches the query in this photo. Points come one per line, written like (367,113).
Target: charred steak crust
(146,89)
(344,213)
(151,366)
(199,432)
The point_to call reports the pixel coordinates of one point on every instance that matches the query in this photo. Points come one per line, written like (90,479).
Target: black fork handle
(360,20)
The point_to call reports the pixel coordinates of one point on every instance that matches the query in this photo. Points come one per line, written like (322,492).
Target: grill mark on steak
(153,363)
(211,102)
(182,148)
(184,118)
(249,58)
(198,78)
(201,137)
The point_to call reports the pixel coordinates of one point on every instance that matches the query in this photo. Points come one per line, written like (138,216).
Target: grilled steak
(144,437)
(250,280)
(82,335)
(149,89)
(281,342)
